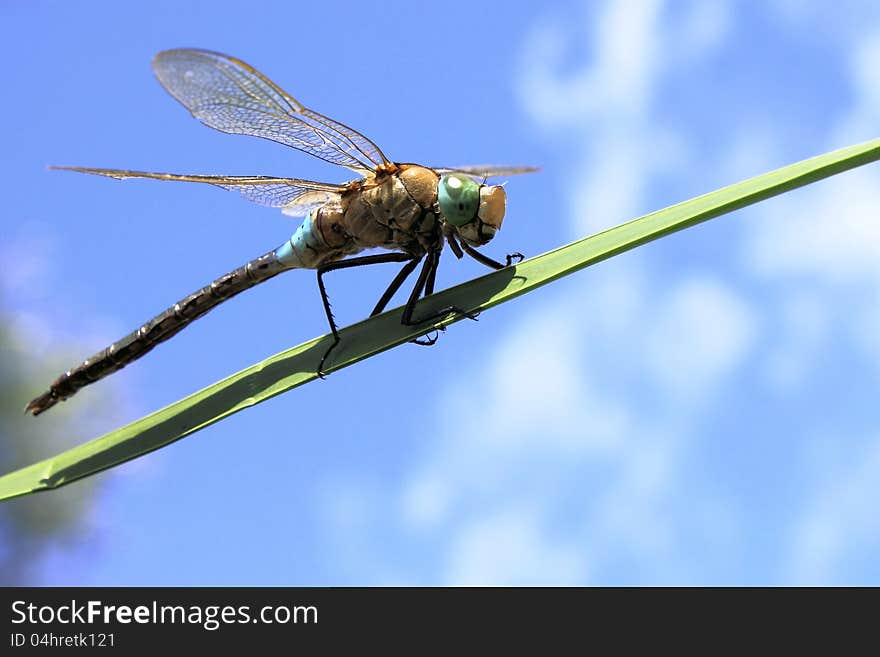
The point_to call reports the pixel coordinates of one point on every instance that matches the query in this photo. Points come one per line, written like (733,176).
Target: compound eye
(493,201)
(459,198)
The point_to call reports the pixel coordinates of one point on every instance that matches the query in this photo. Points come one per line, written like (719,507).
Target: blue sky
(700,411)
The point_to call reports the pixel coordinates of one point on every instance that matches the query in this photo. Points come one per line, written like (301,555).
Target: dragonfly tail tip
(42,403)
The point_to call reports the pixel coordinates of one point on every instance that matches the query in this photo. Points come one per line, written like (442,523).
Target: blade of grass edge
(297,365)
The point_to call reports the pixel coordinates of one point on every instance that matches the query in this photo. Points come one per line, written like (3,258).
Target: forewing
(229,95)
(295,196)
(487,170)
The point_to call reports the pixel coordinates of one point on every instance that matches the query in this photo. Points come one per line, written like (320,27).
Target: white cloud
(426,501)
(867,331)
(831,230)
(629,511)
(554,413)
(512,548)
(840,529)
(608,178)
(533,397)
(817,250)
(604,109)
(865,74)
(700,28)
(825,238)
(609,181)
(839,21)
(702,334)
(803,329)
(539,395)
(624,37)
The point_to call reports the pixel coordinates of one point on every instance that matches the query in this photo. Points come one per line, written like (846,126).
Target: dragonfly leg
(489,262)
(453,244)
(346,264)
(395,286)
(432,275)
(429,341)
(427,274)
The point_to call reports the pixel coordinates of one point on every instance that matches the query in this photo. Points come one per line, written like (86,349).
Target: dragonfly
(409,211)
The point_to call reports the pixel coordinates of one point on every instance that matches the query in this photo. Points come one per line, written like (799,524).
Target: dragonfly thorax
(394,210)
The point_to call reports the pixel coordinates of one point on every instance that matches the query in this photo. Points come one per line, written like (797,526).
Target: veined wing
(487,170)
(295,196)
(229,95)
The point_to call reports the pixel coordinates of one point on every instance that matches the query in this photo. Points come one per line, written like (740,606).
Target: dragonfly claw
(321,373)
(464,313)
(428,341)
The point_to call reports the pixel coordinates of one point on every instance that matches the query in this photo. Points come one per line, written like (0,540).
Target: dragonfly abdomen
(162,327)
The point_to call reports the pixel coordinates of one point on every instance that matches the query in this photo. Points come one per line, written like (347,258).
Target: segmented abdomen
(160,328)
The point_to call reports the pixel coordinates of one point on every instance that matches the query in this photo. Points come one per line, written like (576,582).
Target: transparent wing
(302,205)
(295,196)
(229,95)
(487,170)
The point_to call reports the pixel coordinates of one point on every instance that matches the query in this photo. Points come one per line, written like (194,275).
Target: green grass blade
(297,366)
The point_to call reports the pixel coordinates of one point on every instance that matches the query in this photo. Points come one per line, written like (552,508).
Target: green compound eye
(459,198)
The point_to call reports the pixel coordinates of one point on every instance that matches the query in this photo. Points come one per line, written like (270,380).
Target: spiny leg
(395,286)
(489,262)
(429,290)
(346,264)
(432,275)
(407,319)
(402,275)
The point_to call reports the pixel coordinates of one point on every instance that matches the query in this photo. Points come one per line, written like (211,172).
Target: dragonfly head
(474,210)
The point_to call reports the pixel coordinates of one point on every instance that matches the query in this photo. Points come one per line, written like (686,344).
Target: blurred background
(700,411)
